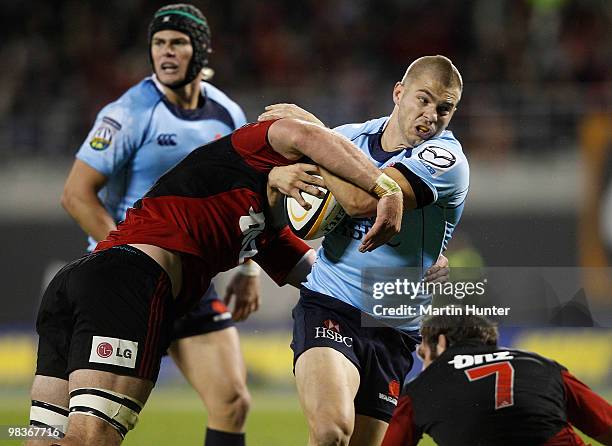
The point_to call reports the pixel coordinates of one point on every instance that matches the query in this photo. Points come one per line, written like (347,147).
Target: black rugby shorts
(210,314)
(111,310)
(383,355)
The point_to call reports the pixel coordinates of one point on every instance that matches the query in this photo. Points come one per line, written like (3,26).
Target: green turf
(174,416)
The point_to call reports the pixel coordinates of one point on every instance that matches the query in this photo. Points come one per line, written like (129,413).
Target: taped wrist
(120,411)
(385,185)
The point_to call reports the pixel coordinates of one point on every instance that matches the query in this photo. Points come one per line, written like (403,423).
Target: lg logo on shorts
(104,350)
(331,330)
(119,352)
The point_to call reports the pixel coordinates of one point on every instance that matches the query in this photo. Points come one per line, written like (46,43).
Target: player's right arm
(586,410)
(109,146)
(357,203)
(277,111)
(80,200)
(294,139)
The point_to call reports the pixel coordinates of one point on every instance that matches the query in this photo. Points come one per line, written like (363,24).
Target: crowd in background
(532,68)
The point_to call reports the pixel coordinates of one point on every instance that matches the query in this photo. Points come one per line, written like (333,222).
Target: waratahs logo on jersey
(103,136)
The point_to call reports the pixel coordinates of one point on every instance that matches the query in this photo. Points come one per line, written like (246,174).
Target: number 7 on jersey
(504,381)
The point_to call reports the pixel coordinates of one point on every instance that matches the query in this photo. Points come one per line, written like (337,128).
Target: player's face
(171,52)
(425,107)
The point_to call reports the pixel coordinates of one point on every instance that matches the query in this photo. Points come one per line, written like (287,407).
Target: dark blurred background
(532,68)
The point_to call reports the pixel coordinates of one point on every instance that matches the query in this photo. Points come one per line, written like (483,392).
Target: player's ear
(397,92)
(442,344)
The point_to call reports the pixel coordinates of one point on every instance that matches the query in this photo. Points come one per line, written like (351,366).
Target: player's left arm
(244,289)
(586,410)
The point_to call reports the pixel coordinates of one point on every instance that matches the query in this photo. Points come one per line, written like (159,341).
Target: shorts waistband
(145,261)
(330,302)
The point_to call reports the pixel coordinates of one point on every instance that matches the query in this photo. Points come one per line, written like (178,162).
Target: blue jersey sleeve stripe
(422,192)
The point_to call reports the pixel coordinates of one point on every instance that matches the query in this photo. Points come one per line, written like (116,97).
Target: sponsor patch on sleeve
(114,351)
(103,136)
(438,157)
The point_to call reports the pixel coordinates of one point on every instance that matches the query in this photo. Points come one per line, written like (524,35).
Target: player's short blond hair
(440,67)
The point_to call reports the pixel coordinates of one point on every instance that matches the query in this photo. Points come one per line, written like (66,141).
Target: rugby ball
(321,219)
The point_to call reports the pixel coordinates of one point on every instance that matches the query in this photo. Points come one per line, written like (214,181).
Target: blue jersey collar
(376,150)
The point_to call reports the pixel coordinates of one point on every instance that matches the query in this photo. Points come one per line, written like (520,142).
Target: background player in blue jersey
(133,142)
(348,375)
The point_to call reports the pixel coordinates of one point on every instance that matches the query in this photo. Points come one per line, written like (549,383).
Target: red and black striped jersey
(484,395)
(212,209)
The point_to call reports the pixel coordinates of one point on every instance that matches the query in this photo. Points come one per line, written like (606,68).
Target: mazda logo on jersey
(438,157)
(166,139)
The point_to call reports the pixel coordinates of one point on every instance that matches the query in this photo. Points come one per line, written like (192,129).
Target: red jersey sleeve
(585,409)
(251,142)
(402,431)
(281,254)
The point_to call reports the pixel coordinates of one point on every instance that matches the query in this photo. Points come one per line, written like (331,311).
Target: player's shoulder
(352,131)
(447,144)
(215,94)
(443,156)
(137,100)
(144,94)
(518,354)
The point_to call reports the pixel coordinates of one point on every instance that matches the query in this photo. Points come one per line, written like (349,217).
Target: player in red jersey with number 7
(473,392)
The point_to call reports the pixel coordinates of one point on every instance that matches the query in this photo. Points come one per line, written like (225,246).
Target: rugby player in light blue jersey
(349,375)
(134,140)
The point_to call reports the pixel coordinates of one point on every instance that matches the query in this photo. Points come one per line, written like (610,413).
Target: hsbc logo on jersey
(331,330)
(114,351)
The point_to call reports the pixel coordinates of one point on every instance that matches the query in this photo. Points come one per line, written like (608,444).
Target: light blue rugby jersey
(442,166)
(141,135)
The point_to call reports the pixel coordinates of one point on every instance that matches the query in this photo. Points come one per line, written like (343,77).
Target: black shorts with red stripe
(111,310)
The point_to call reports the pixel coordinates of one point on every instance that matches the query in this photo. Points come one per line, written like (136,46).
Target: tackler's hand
(293,179)
(277,111)
(245,291)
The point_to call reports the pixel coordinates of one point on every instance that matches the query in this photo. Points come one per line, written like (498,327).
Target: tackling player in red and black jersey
(472,392)
(105,319)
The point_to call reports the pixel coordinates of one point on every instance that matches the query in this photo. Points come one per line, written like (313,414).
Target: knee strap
(120,411)
(49,415)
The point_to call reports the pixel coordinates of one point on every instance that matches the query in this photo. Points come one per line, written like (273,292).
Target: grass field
(174,416)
